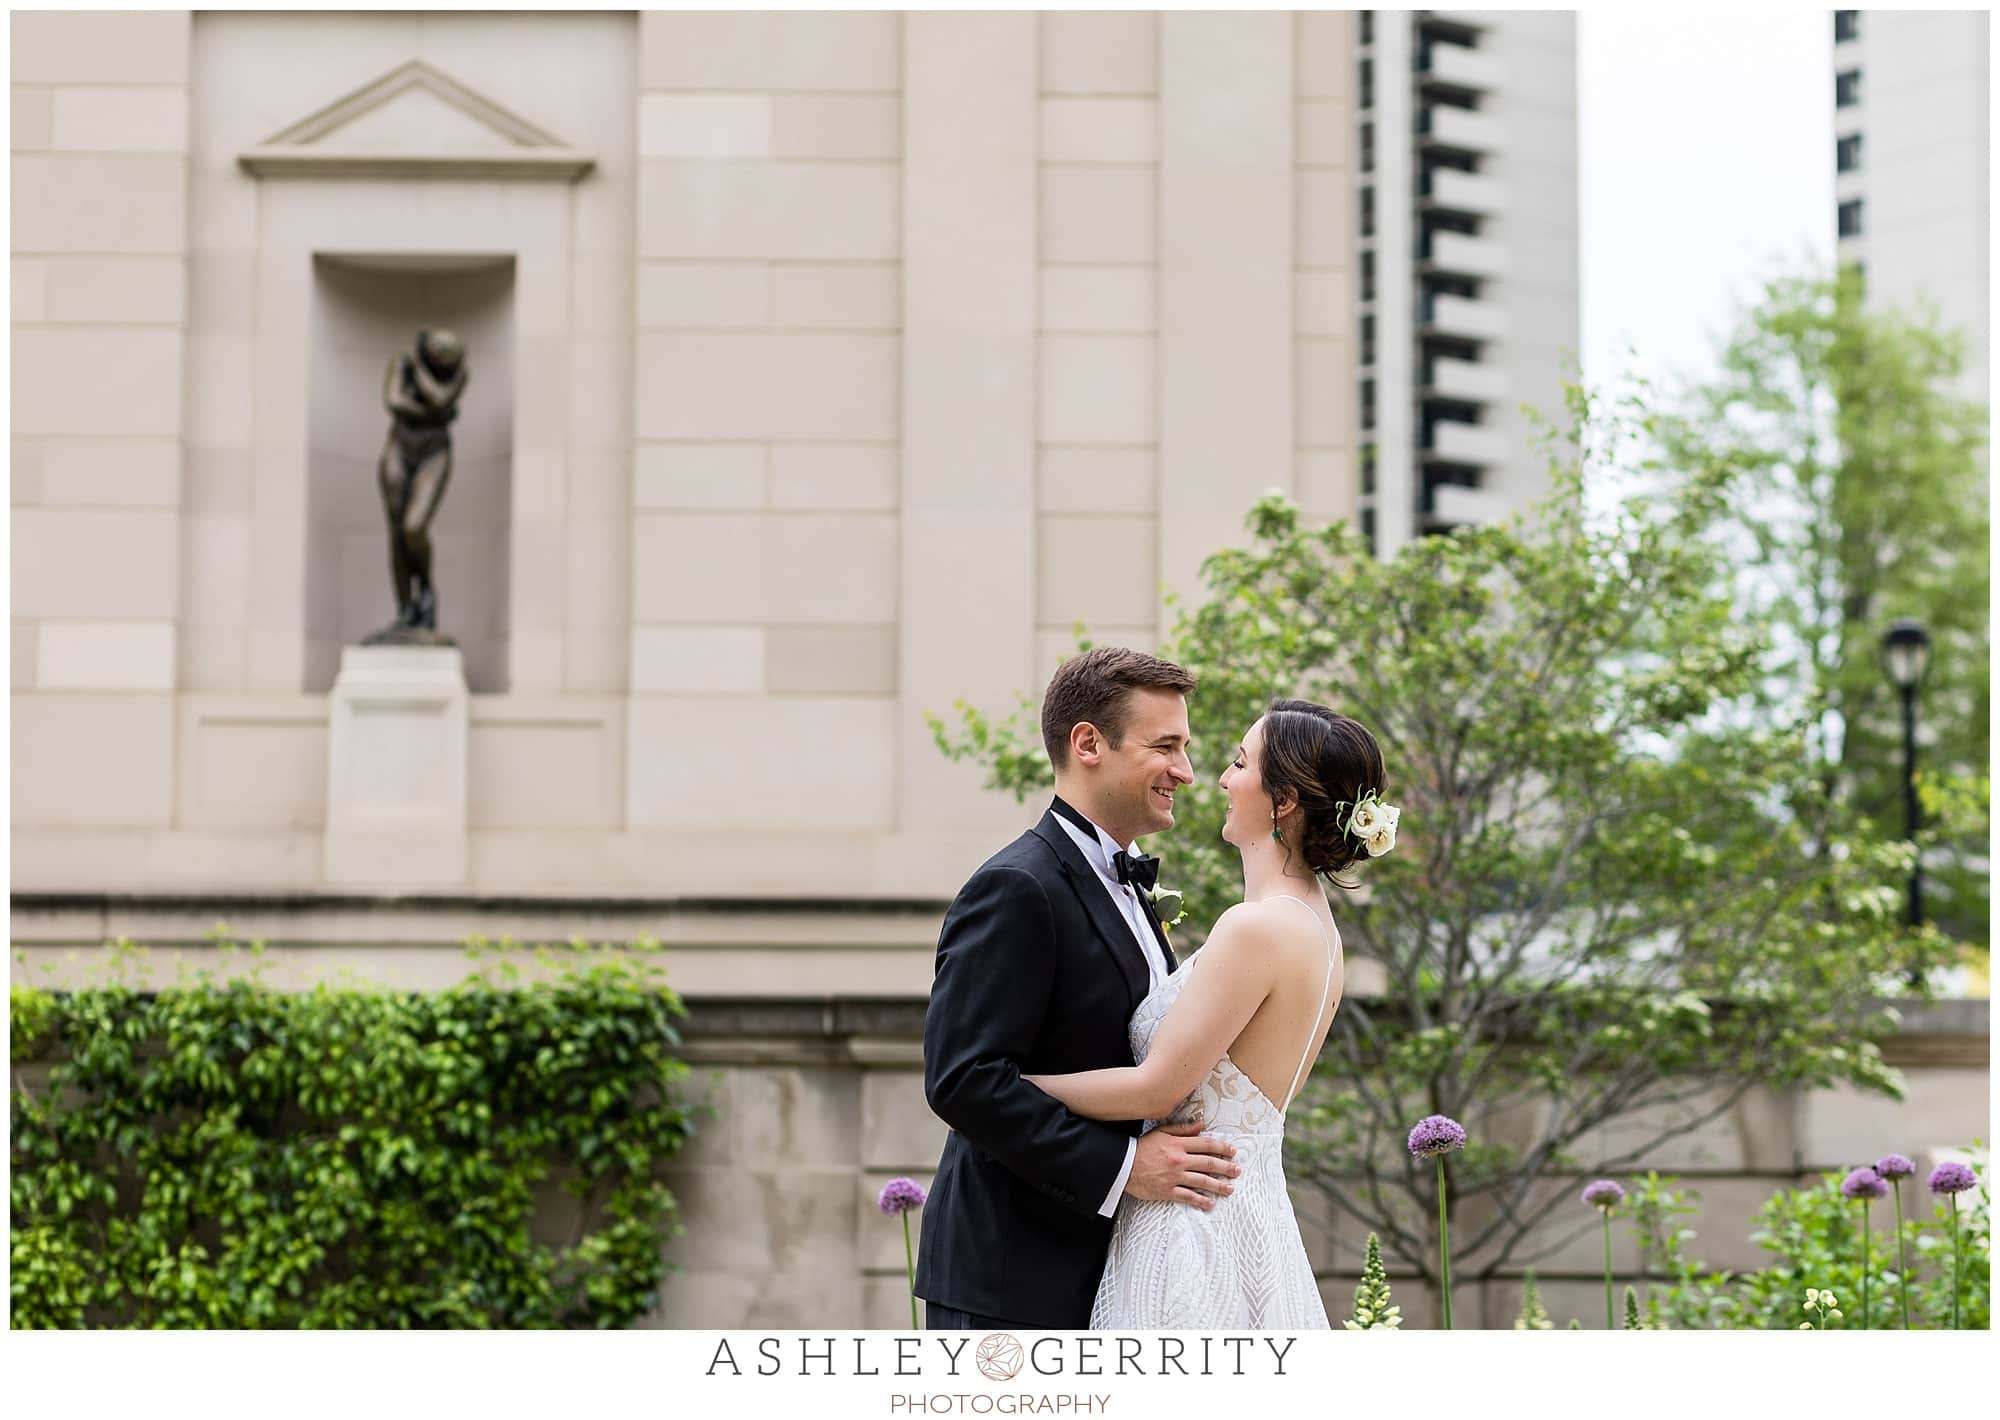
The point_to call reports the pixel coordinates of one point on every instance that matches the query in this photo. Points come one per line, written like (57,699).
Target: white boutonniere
(1165,900)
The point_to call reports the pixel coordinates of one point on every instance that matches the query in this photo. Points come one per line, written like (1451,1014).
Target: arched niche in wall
(412,201)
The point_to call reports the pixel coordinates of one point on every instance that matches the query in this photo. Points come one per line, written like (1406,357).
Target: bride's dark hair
(1327,762)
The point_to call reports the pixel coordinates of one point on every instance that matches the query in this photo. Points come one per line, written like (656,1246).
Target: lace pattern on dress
(1242,1264)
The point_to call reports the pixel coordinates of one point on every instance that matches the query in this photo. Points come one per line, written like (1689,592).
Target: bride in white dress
(1226,1040)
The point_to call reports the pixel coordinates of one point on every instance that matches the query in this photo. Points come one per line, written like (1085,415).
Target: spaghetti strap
(1312,1031)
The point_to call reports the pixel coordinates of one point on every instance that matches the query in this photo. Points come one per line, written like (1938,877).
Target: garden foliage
(1814,1237)
(234,1156)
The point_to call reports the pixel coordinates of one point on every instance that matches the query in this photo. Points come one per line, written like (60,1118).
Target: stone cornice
(206,903)
(887,1031)
(533,164)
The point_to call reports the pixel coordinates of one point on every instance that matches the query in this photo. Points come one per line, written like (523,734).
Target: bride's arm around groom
(1235,980)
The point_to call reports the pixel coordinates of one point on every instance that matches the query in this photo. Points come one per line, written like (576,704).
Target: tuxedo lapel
(1160,936)
(1113,931)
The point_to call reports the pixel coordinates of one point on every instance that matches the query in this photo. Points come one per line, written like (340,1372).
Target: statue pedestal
(396,755)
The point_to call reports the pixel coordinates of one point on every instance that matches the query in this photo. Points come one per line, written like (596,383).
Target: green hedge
(234,1156)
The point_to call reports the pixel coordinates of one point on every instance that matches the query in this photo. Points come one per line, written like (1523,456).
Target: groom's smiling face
(1150,765)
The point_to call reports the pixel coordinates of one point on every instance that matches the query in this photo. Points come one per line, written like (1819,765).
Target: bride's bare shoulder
(1255,924)
(1287,925)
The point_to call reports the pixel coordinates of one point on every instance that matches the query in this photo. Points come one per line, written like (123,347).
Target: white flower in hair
(1374,823)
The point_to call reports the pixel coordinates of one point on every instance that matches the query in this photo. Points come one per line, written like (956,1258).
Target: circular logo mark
(999,1357)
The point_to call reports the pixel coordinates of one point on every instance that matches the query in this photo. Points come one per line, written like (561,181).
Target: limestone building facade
(827,368)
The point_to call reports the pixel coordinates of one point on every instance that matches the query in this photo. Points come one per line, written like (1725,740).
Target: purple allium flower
(1603,1193)
(900,1195)
(1952,1177)
(1863,1182)
(1894,1166)
(1436,1134)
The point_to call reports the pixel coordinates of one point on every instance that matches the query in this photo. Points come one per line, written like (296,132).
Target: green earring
(1277,834)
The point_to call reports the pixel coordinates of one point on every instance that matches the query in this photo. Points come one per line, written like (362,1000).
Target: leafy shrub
(233,1156)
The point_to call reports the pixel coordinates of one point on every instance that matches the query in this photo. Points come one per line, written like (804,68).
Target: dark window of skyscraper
(1368,340)
(1367,147)
(1847,153)
(1368,275)
(1368,404)
(1850,218)
(1367,211)
(1847,88)
(1846,25)
(1367,26)
(1367,83)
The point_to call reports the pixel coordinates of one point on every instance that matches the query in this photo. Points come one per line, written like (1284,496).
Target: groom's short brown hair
(1095,687)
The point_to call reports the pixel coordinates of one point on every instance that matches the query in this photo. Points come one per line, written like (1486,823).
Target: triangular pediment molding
(416,121)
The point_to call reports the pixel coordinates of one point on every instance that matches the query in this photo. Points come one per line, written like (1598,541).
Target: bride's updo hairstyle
(1327,762)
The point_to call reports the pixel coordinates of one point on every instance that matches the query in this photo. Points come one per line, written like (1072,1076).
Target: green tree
(1615,898)
(1858,495)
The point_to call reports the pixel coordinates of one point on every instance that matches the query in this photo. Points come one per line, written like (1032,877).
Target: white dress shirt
(1097,850)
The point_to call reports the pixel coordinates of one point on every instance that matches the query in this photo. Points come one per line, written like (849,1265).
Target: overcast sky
(1706,157)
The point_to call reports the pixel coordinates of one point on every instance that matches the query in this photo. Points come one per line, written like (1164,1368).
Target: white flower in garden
(1381,840)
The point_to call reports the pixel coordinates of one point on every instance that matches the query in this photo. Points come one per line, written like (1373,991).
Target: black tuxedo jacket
(1038,974)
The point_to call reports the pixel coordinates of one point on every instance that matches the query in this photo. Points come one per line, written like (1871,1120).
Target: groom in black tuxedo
(1044,956)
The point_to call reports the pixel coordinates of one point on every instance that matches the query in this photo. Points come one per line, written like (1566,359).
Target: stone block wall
(100,289)
(819,1103)
(805,1043)
(764,524)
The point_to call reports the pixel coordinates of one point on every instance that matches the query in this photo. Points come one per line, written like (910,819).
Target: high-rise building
(1910,164)
(1468,260)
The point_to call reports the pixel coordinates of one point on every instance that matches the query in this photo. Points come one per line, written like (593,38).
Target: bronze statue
(421,392)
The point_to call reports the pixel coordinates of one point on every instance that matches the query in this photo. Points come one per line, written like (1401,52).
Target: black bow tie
(1139,870)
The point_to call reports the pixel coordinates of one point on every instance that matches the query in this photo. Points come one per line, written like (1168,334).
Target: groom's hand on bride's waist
(1175,1164)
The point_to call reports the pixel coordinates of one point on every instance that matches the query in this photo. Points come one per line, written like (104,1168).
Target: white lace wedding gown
(1240,1265)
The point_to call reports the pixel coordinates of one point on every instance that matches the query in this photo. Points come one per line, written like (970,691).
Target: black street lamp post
(1906,655)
